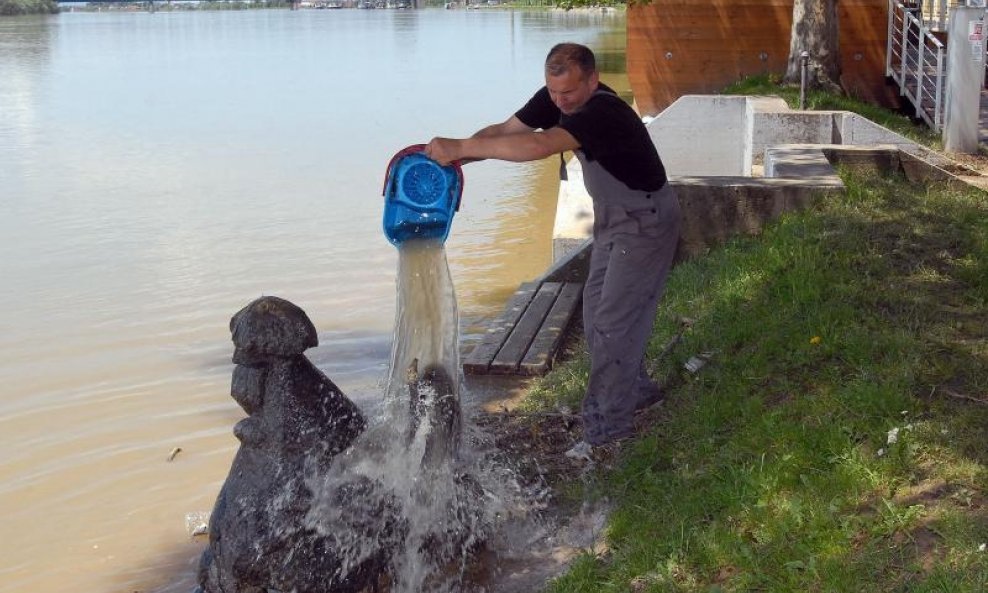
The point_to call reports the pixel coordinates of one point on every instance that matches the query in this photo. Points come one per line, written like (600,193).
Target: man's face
(571,90)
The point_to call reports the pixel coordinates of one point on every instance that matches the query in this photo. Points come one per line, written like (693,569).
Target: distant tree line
(14,7)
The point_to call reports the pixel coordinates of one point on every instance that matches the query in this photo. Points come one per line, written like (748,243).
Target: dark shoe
(649,398)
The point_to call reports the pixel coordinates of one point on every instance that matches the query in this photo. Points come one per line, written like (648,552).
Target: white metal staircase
(916,58)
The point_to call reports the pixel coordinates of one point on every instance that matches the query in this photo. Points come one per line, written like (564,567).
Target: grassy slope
(772,469)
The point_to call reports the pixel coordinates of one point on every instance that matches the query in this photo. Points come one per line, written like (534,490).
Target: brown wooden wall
(681,47)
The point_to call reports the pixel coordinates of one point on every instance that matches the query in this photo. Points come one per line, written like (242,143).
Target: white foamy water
(421,495)
(426,321)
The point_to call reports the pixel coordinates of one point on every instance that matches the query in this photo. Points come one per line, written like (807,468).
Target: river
(159,171)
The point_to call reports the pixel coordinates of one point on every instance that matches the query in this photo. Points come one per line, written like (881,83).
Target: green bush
(16,7)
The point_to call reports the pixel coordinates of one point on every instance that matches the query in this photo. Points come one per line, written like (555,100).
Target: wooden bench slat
(479,360)
(540,354)
(515,347)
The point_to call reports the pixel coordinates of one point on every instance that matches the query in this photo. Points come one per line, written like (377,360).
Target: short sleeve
(610,132)
(540,111)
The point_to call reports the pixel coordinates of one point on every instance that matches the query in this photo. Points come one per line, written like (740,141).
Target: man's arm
(512,125)
(493,143)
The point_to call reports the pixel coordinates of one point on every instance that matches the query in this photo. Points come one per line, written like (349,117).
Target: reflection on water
(159,171)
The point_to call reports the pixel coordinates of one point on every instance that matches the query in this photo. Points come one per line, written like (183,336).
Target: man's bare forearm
(491,130)
(517,147)
(508,141)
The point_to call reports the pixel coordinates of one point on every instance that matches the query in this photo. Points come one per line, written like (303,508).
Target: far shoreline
(222,5)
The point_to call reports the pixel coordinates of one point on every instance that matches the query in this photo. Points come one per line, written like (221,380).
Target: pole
(804,59)
(965,77)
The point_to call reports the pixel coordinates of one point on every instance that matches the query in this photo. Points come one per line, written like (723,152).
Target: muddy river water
(158,172)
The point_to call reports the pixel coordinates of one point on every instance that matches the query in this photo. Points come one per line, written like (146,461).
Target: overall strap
(563,176)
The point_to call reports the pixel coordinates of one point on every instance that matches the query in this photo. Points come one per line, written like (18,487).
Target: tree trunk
(814,30)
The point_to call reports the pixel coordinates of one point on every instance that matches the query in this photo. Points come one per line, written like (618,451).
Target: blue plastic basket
(420,197)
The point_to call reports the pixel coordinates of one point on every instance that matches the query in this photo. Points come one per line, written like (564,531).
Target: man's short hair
(564,56)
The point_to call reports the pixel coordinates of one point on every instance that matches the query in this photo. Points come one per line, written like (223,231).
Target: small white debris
(197,523)
(580,452)
(893,436)
(694,364)
(881,452)
(981,548)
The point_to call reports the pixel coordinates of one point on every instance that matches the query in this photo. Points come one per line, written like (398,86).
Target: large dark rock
(298,421)
(295,516)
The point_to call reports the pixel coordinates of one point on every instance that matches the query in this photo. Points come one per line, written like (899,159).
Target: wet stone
(271,327)
(298,422)
(318,500)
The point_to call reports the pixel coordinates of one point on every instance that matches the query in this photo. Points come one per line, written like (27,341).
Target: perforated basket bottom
(423,183)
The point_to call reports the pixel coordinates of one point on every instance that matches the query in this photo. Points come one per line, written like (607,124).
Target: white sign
(976,31)
(976,3)
(978,49)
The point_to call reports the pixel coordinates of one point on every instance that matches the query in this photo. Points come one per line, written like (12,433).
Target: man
(636,224)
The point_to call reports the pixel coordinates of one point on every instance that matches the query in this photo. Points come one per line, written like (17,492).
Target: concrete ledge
(715,209)
(883,157)
(919,170)
(703,135)
(802,160)
(709,144)
(805,161)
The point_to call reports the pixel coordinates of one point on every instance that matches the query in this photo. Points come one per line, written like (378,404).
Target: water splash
(423,388)
(413,498)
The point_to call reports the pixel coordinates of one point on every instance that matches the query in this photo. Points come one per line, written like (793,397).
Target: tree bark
(814,30)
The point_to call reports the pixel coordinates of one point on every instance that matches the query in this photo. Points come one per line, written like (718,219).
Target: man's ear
(594,79)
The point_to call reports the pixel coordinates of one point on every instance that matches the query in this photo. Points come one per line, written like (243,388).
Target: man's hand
(444,150)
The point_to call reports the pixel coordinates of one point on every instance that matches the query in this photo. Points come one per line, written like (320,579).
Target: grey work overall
(635,236)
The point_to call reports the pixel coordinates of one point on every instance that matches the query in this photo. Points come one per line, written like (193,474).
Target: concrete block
(793,127)
(757,105)
(716,209)
(857,130)
(702,135)
(798,161)
(882,157)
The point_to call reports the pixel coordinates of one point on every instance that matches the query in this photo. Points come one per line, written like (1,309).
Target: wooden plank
(478,362)
(541,353)
(507,360)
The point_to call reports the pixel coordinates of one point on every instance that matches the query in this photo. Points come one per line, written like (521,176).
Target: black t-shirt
(609,131)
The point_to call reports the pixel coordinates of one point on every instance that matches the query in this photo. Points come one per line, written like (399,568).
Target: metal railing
(917,61)
(933,13)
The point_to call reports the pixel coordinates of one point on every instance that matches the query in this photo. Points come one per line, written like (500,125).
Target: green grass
(822,100)
(772,469)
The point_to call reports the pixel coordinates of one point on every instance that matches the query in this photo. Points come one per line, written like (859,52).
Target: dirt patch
(977,162)
(925,493)
(970,168)
(536,443)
